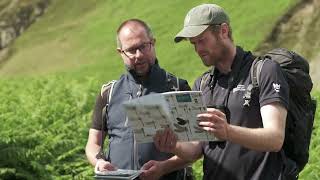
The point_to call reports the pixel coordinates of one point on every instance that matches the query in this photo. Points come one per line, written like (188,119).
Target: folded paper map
(177,110)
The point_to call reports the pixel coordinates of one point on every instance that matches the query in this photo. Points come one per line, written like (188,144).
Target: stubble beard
(223,53)
(138,72)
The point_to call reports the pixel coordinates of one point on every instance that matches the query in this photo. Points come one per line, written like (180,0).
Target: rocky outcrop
(298,30)
(16,16)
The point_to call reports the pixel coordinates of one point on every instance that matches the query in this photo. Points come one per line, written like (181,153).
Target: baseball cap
(200,18)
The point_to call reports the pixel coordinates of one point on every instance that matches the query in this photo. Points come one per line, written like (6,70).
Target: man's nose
(139,54)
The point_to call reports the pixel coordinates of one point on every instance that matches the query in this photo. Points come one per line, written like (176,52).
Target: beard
(138,72)
(223,52)
(217,56)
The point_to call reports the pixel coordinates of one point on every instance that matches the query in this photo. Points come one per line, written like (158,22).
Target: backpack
(106,88)
(301,112)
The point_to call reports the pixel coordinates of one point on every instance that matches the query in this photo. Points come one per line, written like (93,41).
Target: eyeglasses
(131,52)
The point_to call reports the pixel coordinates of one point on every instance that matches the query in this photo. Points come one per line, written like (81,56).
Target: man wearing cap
(251,135)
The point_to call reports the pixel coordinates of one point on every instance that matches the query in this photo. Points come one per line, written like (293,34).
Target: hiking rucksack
(302,107)
(106,88)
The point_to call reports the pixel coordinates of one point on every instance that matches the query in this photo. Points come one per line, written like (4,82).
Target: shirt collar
(151,74)
(236,64)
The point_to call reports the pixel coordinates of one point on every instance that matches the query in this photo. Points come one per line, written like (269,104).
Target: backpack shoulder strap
(206,79)
(107,88)
(106,95)
(255,71)
(173,82)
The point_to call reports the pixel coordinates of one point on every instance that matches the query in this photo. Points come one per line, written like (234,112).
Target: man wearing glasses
(136,46)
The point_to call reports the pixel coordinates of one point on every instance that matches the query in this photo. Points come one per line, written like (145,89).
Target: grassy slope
(312,169)
(81,34)
(79,38)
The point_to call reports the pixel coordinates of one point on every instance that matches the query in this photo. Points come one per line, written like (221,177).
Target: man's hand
(214,121)
(165,140)
(103,165)
(152,170)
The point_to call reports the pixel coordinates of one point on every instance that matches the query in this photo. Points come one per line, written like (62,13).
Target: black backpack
(302,107)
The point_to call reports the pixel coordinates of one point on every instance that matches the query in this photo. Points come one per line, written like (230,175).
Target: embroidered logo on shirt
(239,87)
(276,87)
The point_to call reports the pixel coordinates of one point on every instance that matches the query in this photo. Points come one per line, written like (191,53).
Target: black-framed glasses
(143,48)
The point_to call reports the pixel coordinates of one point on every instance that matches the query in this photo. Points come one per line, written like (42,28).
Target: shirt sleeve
(97,113)
(184,86)
(273,85)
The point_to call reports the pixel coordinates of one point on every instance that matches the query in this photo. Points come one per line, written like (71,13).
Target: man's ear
(224,30)
(153,41)
(119,50)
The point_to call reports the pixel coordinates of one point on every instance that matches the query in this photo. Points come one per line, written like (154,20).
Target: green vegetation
(44,128)
(48,85)
(82,35)
(312,169)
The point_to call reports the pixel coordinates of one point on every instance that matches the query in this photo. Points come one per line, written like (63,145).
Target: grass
(58,64)
(312,169)
(81,34)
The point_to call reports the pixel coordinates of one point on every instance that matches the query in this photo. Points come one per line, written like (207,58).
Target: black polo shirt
(227,160)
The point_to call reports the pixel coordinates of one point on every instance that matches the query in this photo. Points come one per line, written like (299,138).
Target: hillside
(15,17)
(82,35)
(56,67)
(299,30)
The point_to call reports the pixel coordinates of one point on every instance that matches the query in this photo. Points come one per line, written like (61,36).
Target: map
(176,110)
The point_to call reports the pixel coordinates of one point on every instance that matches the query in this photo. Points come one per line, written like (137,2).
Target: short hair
(133,21)
(216,28)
